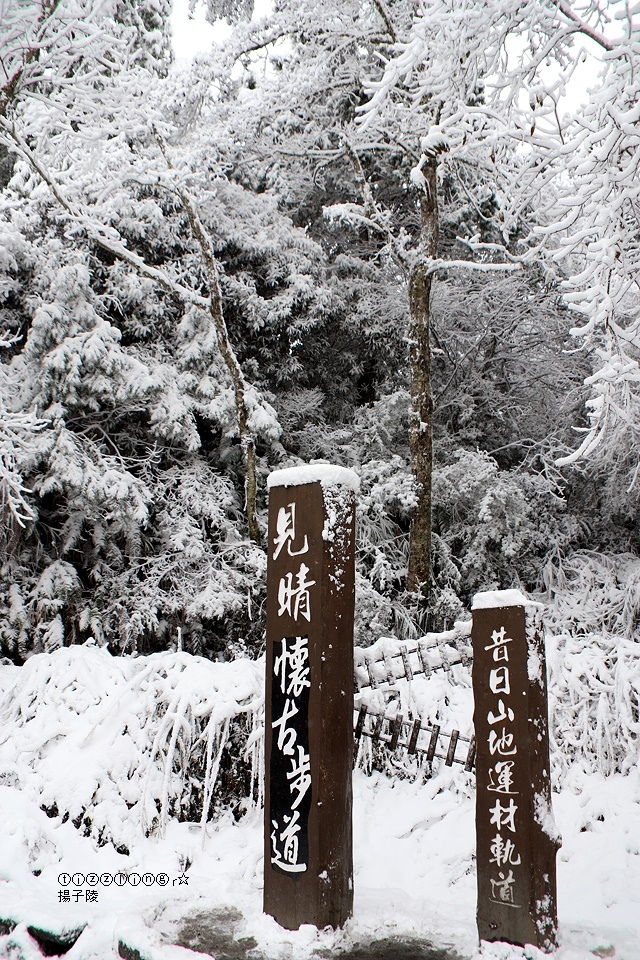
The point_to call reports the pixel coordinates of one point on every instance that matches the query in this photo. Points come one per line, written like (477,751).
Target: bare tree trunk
(421,416)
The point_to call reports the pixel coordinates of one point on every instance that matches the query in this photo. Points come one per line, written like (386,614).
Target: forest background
(361,233)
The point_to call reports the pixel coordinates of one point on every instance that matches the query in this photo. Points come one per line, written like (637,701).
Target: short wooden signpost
(308,862)
(516,837)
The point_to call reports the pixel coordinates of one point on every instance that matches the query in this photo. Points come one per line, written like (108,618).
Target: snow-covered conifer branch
(104,236)
(17,432)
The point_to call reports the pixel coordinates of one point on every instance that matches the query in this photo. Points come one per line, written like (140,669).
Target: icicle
(211,774)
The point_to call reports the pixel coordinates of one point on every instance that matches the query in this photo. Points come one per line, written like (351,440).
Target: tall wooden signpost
(516,837)
(308,859)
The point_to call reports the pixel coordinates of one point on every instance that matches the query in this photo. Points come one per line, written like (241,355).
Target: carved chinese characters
(290,764)
(286,532)
(502,743)
(309,697)
(515,856)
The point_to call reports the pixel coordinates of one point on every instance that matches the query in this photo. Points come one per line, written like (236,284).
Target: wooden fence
(390,660)
(381,667)
(397,733)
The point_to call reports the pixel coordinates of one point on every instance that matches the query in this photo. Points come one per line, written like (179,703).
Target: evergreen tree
(319,242)
(124,398)
(444,85)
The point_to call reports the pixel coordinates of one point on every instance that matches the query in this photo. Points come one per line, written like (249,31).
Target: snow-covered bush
(120,744)
(593,655)
(494,529)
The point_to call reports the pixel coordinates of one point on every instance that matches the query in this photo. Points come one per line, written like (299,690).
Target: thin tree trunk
(231,362)
(226,350)
(421,415)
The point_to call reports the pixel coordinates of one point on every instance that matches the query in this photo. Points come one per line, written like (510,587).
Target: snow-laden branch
(38,38)
(583,27)
(16,441)
(437,265)
(104,236)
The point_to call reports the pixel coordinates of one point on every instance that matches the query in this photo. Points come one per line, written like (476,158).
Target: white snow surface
(489,599)
(414,841)
(325,473)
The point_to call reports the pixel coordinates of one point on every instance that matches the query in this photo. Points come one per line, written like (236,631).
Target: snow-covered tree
(322,73)
(119,365)
(263,258)
(570,190)
(471,95)
(97,125)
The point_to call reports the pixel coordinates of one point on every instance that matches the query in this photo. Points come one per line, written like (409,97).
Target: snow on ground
(414,871)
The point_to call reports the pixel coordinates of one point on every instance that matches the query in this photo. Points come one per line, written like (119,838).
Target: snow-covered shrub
(493,528)
(120,744)
(593,656)
(189,567)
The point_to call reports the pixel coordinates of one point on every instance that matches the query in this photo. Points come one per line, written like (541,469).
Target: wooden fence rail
(402,661)
(405,734)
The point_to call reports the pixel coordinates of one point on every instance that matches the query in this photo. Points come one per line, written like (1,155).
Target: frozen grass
(593,660)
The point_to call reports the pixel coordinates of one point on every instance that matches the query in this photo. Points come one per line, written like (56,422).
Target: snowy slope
(81,726)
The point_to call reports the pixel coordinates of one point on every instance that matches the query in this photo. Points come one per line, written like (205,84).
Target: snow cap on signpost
(308,863)
(516,837)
